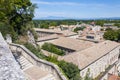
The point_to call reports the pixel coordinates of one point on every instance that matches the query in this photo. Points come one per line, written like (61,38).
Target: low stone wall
(44,65)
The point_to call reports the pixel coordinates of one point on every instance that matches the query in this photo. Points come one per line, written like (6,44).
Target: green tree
(17,14)
(117,24)
(118,32)
(107,29)
(100,22)
(79,28)
(53,23)
(7,29)
(112,35)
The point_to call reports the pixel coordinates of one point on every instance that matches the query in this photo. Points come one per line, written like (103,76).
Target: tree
(117,24)
(107,29)
(100,22)
(17,13)
(118,31)
(79,28)
(7,29)
(112,35)
(53,24)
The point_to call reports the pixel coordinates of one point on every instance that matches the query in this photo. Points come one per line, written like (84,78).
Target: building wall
(118,66)
(111,71)
(100,65)
(74,36)
(47,41)
(43,34)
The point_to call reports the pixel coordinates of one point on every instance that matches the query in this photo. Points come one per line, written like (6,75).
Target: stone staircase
(24,63)
(26,66)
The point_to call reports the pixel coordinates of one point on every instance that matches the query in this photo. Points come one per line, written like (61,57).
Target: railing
(45,65)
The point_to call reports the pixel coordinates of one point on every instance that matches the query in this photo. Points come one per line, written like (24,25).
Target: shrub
(52,48)
(70,70)
(35,50)
(52,59)
(7,29)
(79,28)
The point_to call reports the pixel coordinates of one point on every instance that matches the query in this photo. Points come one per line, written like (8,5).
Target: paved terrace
(36,73)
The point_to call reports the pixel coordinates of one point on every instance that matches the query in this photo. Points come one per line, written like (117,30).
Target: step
(25,64)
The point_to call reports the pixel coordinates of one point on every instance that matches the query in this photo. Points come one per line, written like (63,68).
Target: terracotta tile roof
(56,31)
(72,44)
(47,30)
(85,57)
(113,77)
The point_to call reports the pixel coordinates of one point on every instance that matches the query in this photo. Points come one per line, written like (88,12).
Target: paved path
(35,73)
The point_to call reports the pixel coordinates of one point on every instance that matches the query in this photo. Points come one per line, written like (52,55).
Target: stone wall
(43,34)
(111,71)
(31,38)
(9,68)
(101,64)
(42,42)
(44,65)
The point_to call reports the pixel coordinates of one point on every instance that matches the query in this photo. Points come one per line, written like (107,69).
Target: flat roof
(72,44)
(53,36)
(56,31)
(47,30)
(86,57)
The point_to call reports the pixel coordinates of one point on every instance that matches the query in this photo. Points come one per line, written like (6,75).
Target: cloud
(69,4)
(55,3)
(88,5)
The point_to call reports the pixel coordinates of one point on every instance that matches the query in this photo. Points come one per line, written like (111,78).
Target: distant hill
(64,18)
(53,18)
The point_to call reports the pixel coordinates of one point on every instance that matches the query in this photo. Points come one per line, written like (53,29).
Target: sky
(77,8)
